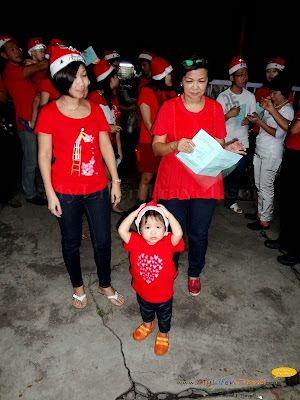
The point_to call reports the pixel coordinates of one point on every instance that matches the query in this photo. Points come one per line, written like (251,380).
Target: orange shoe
(161,344)
(142,331)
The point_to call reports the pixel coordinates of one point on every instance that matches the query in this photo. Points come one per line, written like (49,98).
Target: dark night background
(259,31)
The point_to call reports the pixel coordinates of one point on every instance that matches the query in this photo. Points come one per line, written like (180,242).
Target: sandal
(161,344)
(79,299)
(142,331)
(116,299)
(235,208)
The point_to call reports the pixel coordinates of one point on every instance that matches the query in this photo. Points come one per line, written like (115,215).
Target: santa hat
(110,54)
(160,68)
(5,38)
(147,55)
(277,63)
(35,44)
(152,205)
(102,69)
(61,56)
(236,64)
(54,42)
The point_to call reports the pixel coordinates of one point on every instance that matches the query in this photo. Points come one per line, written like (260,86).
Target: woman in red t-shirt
(73,137)
(151,97)
(191,198)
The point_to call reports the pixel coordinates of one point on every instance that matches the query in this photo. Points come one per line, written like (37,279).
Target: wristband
(116,180)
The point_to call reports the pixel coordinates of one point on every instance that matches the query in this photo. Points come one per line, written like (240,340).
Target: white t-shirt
(268,145)
(245,100)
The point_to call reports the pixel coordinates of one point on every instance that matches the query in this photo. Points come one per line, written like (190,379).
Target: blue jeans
(232,182)
(162,310)
(194,216)
(30,171)
(96,207)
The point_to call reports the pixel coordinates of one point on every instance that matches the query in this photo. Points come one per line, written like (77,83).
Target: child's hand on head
(165,210)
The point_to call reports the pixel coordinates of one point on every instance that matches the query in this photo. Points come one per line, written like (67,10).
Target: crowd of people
(67,117)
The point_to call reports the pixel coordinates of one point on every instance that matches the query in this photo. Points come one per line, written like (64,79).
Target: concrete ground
(223,343)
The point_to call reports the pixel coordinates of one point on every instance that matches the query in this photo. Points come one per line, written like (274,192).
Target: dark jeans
(289,210)
(233,180)
(194,216)
(162,310)
(96,207)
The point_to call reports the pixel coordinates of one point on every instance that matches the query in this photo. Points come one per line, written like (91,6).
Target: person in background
(237,102)
(73,137)
(105,96)
(9,150)
(269,151)
(289,211)
(37,51)
(17,79)
(274,67)
(154,284)
(159,89)
(191,198)
(144,59)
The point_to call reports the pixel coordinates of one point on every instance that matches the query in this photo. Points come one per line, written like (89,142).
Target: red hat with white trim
(110,54)
(277,63)
(160,68)
(61,56)
(35,44)
(54,42)
(147,55)
(152,205)
(5,38)
(236,64)
(102,69)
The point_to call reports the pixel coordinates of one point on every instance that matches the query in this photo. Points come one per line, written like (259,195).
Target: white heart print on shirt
(149,266)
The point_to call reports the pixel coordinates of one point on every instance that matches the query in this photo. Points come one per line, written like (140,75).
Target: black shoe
(37,200)
(288,259)
(275,245)
(257,226)
(253,216)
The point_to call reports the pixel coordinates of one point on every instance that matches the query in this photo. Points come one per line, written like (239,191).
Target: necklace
(282,104)
(69,108)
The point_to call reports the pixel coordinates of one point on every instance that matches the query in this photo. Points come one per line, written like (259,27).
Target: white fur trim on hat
(151,206)
(145,56)
(163,74)
(63,61)
(240,64)
(275,65)
(112,55)
(38,46)
(4,40)
(104,74)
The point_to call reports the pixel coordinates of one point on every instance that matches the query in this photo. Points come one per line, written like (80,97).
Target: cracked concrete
(223,343)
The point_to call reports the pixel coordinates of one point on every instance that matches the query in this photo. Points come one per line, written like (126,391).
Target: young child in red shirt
(152,267)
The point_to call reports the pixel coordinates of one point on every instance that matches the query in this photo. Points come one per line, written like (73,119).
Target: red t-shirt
(37,79)
(46,86)
(78,167)
(21,91)
(293,141)
(2,86)
(143,82)
(152,267)
(174,179)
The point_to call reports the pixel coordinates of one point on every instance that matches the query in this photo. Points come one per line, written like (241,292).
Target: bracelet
(116,180)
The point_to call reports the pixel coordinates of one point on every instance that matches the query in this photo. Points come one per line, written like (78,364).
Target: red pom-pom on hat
(61,56)
(110,54)
(35,44)
(152,205)
(277,63)
(237,63)
(160,68)
(102,69)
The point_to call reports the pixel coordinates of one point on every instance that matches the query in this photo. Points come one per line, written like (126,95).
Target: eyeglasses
(189,63)
(241,75)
